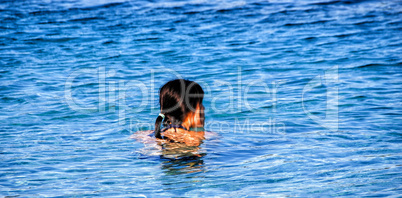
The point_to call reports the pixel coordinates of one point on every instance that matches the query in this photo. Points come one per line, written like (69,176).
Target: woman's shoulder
(148,136)
(148,133)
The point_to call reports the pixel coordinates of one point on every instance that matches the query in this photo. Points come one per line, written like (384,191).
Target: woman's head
(181,103)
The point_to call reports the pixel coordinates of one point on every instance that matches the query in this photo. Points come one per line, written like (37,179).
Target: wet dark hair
(177,98)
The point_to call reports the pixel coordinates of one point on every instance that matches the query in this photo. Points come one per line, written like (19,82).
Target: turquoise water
(305,97)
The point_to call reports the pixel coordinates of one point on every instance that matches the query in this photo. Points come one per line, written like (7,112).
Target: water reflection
(181,159)
(177,158)
(183,165)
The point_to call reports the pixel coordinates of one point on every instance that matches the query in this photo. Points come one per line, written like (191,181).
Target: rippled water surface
(305,97)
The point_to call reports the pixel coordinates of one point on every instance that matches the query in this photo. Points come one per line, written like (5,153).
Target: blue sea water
(305,97)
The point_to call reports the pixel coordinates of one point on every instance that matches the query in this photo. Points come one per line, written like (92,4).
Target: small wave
(364,22)
(108,5)
(87,19)
(228,10)
(379,65)
(310,38)
(307,23)
(337,2)
(65,10)
(147,39)
(55,40)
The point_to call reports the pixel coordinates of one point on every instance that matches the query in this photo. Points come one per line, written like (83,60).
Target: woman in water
(181,117)
(181,112)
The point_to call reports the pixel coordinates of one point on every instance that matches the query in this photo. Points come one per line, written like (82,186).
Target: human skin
(190,138)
